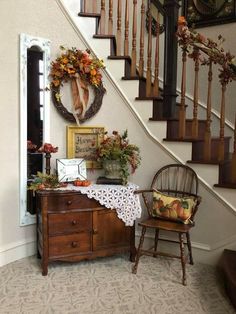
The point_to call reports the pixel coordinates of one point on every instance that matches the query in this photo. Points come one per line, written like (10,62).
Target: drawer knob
(95,231)
(74,222)
(69,202)
(74,244)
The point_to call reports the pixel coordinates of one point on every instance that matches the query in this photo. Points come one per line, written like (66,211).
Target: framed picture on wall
(200,13)
(82,142)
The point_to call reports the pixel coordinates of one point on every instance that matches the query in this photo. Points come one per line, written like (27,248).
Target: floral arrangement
(43,181)
(73,62)
(192,41)
(47,148)
(117,147)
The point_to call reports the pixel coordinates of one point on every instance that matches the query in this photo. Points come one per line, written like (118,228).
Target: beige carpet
(106,285)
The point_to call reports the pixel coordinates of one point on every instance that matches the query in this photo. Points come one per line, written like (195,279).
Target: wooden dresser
(73,227)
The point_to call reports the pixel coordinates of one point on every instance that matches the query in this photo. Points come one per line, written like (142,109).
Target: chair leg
(156,241)
(182,255)
(134,269)
(189,248)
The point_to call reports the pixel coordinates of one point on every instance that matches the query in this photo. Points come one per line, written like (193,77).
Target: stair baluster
(221,154)
(156,72)
(102,19)
(196,56)
(126,42)
(182,114)
(149,57)
(133,53)
(118,33)
(84,6)
(110,19)
(207,136)
(94,6)
(141,45)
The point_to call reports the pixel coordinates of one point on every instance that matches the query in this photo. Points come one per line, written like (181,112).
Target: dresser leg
(45,271)
(44,268)
(133,250)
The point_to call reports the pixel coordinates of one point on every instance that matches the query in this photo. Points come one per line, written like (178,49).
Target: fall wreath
(82,71)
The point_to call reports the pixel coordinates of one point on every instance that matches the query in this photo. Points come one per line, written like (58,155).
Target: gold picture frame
(82,142)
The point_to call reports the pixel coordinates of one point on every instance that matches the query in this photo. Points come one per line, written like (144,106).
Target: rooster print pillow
(173,208)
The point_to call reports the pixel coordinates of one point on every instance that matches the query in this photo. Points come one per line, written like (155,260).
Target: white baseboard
(16,251)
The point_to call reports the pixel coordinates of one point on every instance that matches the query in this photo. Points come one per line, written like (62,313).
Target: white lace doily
(118,197)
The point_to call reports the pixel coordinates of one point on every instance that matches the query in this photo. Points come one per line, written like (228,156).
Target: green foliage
(43,181)
(117,147)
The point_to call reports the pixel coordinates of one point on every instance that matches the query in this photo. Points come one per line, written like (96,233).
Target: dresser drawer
(73,222)
(70,202)
(69,244)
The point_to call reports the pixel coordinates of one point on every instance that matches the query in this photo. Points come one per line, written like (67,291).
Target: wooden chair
(180,182)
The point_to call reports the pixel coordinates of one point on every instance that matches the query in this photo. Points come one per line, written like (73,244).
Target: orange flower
(70,71)
(182,20)
(65,60)
(56,82)
(93,72)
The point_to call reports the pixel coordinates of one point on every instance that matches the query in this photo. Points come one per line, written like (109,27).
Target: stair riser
(198,149)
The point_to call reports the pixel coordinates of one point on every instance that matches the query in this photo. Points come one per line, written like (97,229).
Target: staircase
(215,163)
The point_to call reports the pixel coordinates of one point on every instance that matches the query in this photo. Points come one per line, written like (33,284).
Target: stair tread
(130,78)
(185,139)
(89,14)
(225,185)
(203,162)
(103,36)
(149,98)
(119,57)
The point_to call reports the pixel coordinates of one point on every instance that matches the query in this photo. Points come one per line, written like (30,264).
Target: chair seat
(166,225)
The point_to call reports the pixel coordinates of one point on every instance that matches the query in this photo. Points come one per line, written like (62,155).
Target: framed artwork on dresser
(201,13)
(82,142)
(69,170)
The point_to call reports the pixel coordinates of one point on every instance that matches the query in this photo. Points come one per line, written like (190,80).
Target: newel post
(171,8)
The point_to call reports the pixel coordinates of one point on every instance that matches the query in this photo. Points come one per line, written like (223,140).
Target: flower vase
(112,169)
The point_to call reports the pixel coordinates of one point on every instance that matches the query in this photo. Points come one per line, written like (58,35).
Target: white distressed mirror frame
(26,42)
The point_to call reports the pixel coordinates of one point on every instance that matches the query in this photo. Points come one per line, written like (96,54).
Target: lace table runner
(118,197)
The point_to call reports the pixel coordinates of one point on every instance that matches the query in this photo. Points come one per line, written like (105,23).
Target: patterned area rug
(107,286)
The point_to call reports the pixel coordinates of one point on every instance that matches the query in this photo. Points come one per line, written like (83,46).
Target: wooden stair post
(222,123)
(141,45)
(118,33)
(207,136)
(156,72)
(171,9)
(126,42)
(102,19)
(110,19)
(149,57)
(182,113)
(134,33)
(196,56)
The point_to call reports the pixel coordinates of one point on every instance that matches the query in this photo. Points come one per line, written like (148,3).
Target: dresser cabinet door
(109,231)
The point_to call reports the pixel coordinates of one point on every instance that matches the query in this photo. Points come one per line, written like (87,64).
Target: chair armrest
(144,191)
